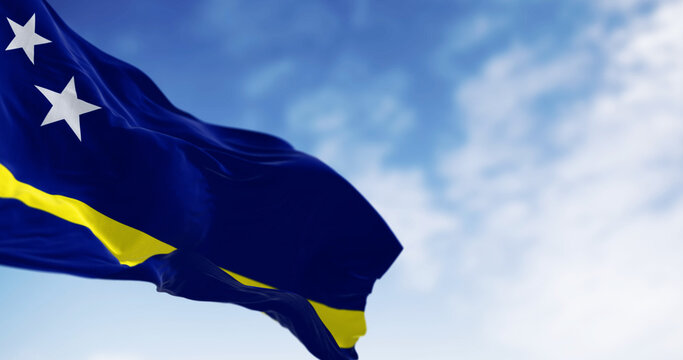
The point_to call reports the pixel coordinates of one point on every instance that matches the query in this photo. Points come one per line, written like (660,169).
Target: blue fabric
(224,197)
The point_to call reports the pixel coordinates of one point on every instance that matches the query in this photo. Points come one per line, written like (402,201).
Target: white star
(66,106)
(25,37)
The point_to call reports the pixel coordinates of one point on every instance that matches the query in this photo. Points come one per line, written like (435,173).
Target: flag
(102,177)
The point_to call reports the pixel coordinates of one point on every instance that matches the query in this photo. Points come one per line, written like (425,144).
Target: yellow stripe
(132,247)
(346,326)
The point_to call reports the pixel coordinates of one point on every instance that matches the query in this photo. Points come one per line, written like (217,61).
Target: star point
(25,37)
(66,106)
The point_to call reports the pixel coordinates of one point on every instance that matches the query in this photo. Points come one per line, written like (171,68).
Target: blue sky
(526,153)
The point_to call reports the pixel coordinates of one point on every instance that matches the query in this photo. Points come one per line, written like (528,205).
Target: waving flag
(101,176)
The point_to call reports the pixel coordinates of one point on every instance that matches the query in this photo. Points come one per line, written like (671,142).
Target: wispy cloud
(111,356)
(624,5)
(247,27)
(575,206)
(461,38)
(268,78)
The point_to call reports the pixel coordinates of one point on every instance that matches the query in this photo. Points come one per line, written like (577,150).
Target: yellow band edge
(132,247)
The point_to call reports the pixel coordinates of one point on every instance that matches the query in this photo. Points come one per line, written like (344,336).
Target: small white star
(25,37)
(66,106)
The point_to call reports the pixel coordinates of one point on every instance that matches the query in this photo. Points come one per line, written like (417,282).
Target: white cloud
(574,230)
(245,27)
(370,107)
(461,37)
(624,5)
(499,108)
(267,78)
(111,356)
(470,33)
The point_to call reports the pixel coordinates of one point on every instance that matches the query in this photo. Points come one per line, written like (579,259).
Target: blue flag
(101,176)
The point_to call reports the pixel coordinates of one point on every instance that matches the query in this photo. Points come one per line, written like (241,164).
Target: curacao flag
(101,176)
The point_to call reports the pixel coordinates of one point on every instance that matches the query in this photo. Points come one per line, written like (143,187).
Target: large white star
(66,106)
(25,37)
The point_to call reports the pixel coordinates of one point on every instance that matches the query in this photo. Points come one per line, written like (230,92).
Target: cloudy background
(528,154)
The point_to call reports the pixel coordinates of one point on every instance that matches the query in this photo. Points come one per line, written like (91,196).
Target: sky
(527,154)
